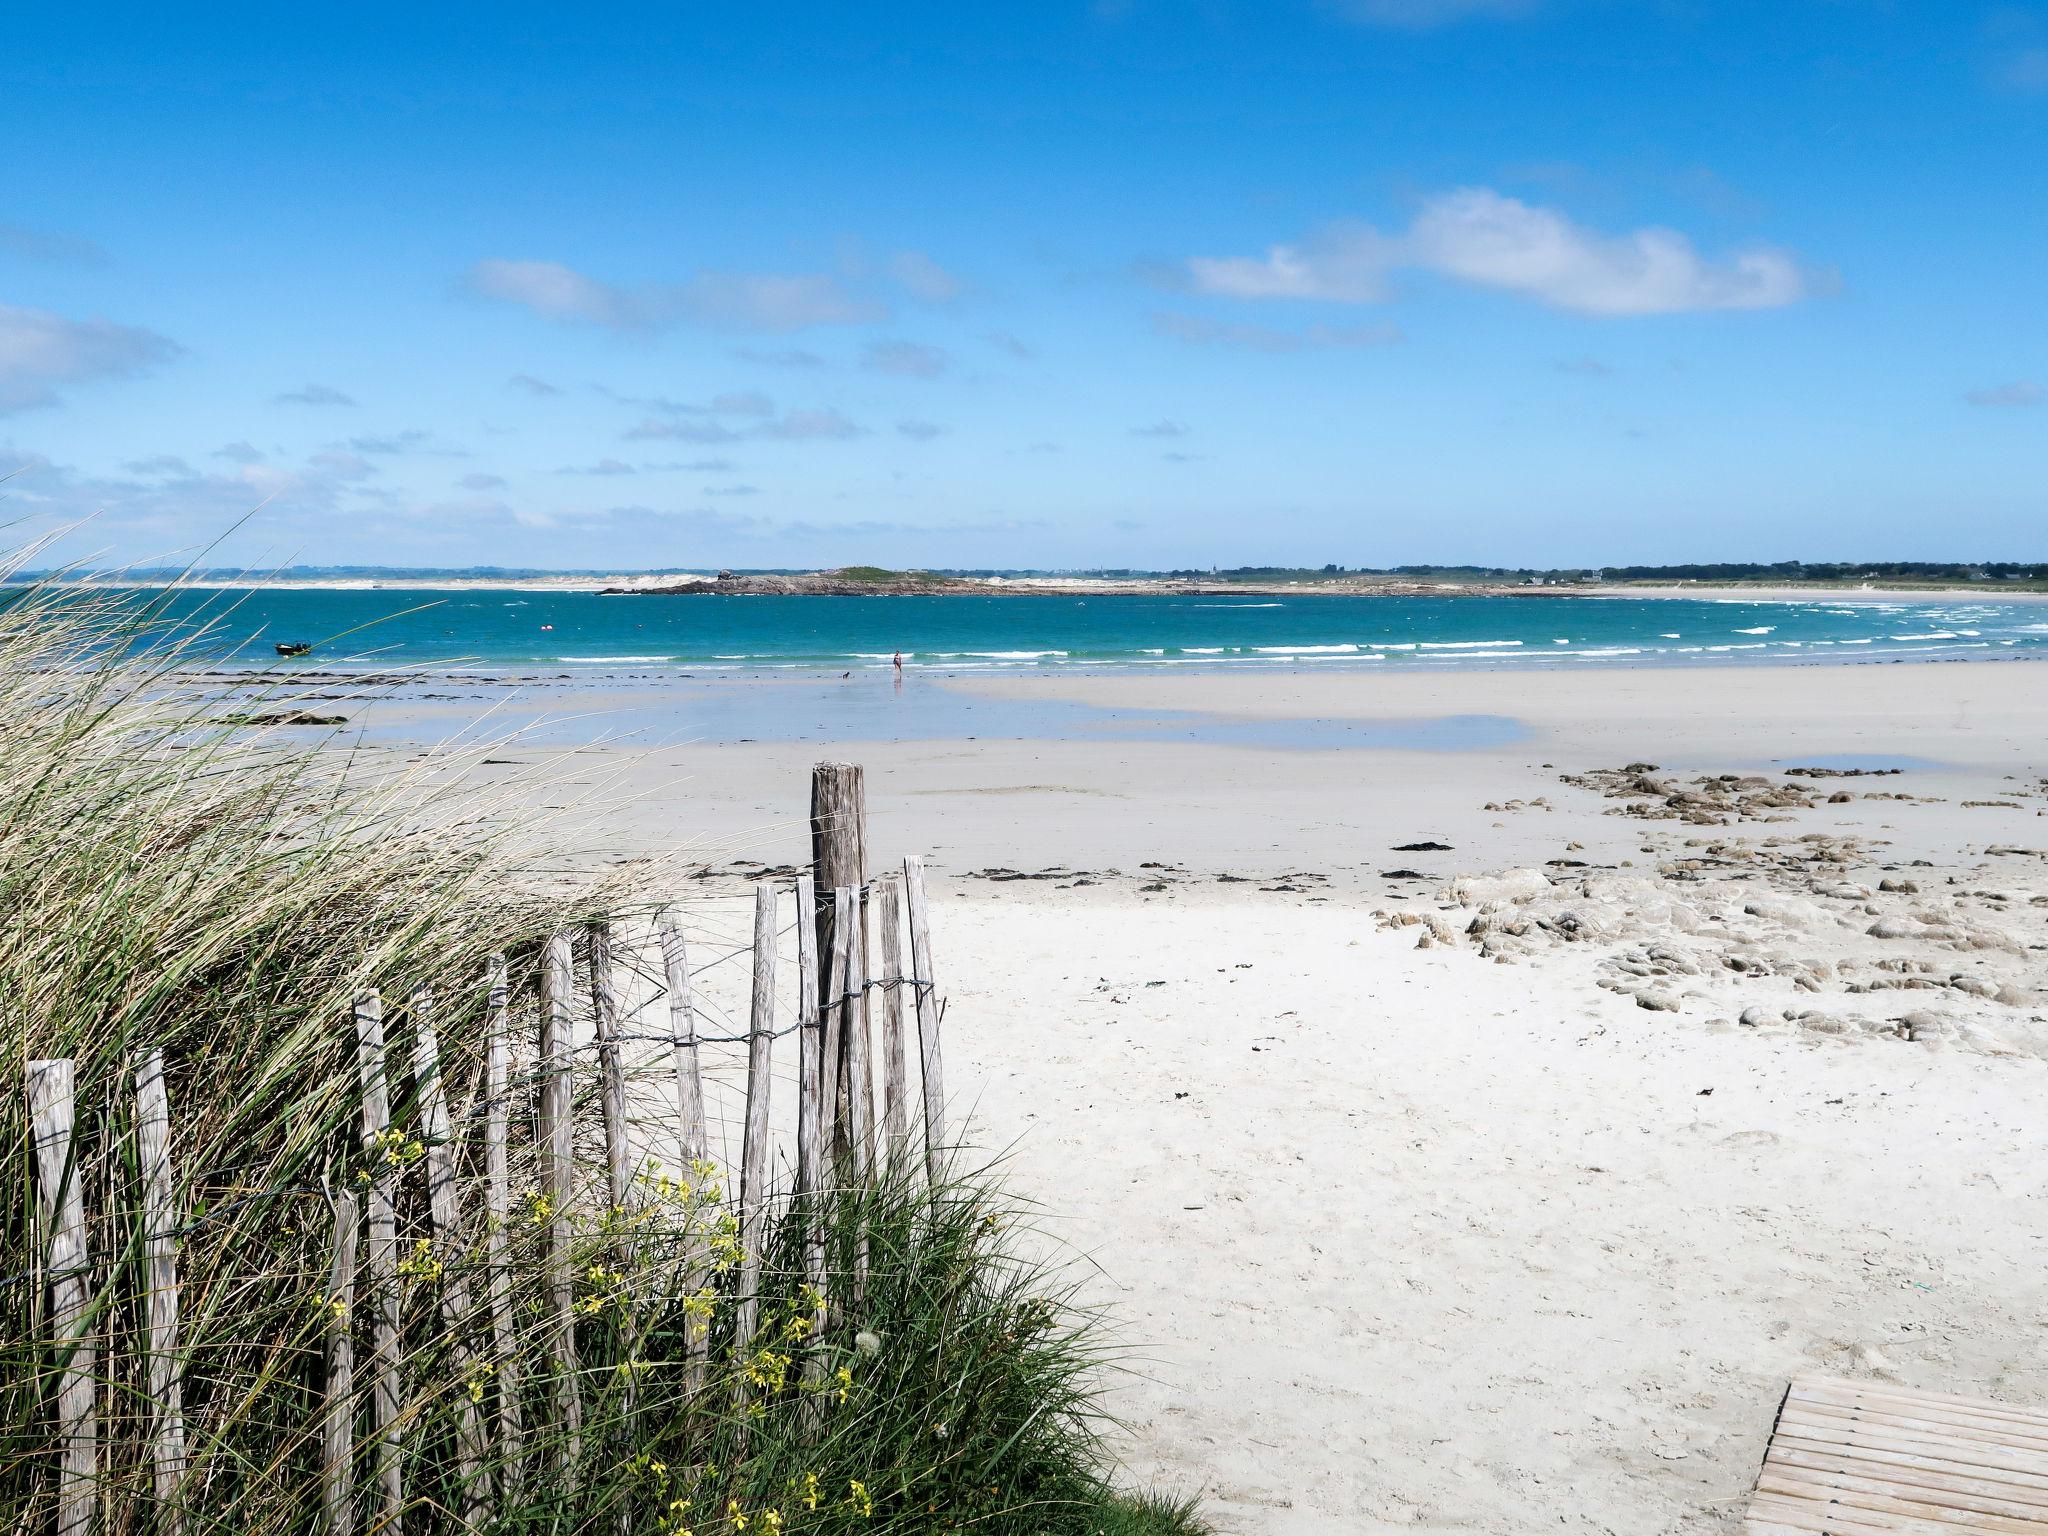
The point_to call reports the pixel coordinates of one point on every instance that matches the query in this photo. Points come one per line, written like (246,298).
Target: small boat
(294,648)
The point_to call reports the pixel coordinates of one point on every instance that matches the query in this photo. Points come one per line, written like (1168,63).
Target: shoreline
(625,584)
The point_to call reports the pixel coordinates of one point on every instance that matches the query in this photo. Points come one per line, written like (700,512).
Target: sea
(502,630)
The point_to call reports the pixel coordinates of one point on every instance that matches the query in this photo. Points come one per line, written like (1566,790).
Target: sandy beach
(1473,1137)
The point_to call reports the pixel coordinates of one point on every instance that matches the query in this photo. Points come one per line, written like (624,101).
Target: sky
(1066,284)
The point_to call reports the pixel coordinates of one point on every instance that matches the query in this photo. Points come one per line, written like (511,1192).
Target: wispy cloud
(2017,392)
(483,482)
(48,245)
(1161,429)
(1584,367)
(412,440)
(606,466)
(752,301)
(906,359)
(313,394)
(1478,236)
(1003,341)
(791,426)
(920,431)
(783,357)
(1200,330)
(41,352)
(924,279)
(526,383)
(243,452)
(1420,15)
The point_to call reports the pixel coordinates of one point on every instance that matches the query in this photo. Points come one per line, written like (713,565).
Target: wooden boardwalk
(1858,1458)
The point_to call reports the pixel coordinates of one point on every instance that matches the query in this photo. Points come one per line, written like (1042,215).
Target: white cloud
(920,431)
(791,426)
(47,245)
(1481,237)
(1004,341)
(789,357)
(924,279)
(531,385)
(2018,392)
(313,394)
(766,301)
(906,359)
(605,466)
(1161,429)
(1419,15)
(1200,330)
(40,350)
(751,301)
(560,293)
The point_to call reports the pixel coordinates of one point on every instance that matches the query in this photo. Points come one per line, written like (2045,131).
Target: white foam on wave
(1201,650)
(1673,636)
(1764,629)
(1009,655)
(1463,645)
(1306,650)
(609,661)
(1938,634)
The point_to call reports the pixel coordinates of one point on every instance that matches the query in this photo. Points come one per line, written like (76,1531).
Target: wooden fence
(851,1020)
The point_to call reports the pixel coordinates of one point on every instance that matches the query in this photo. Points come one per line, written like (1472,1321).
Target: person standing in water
(899,663)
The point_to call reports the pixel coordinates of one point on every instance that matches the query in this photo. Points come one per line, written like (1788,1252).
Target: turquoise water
(513,630)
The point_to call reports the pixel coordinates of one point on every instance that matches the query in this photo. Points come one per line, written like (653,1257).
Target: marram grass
(170,880)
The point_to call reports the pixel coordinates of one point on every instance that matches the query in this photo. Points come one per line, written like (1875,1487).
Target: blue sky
(1135,282)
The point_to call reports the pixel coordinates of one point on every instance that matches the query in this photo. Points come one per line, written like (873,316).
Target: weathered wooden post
(444,1212)
(754,1149)
(833,1057)
(895,1068)
(860,1099)
(839,857)
(557,1135)
(160,1280)
(53,1112)
(381,1265)
(682,1033)
(927,1019)
(604,1006)
(498,1212)
(338,1420)
(810,1123)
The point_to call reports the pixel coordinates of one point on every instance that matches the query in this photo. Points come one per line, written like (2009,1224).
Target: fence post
(754,1150)
(682,1032)
(895,1070)
(381,1265)
(498,1213)
(810,1115)
(839,856)
(604,1006)
(558,1161)
(832,1008)
(52,1108)
(444,1211)
(691,1137)
(928,1016)
(859,1088)
(160,1282)
(338,1421)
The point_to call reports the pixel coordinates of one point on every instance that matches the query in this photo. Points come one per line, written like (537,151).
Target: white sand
(1414,1240)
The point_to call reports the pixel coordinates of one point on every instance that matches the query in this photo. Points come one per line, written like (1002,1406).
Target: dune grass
(171,880)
